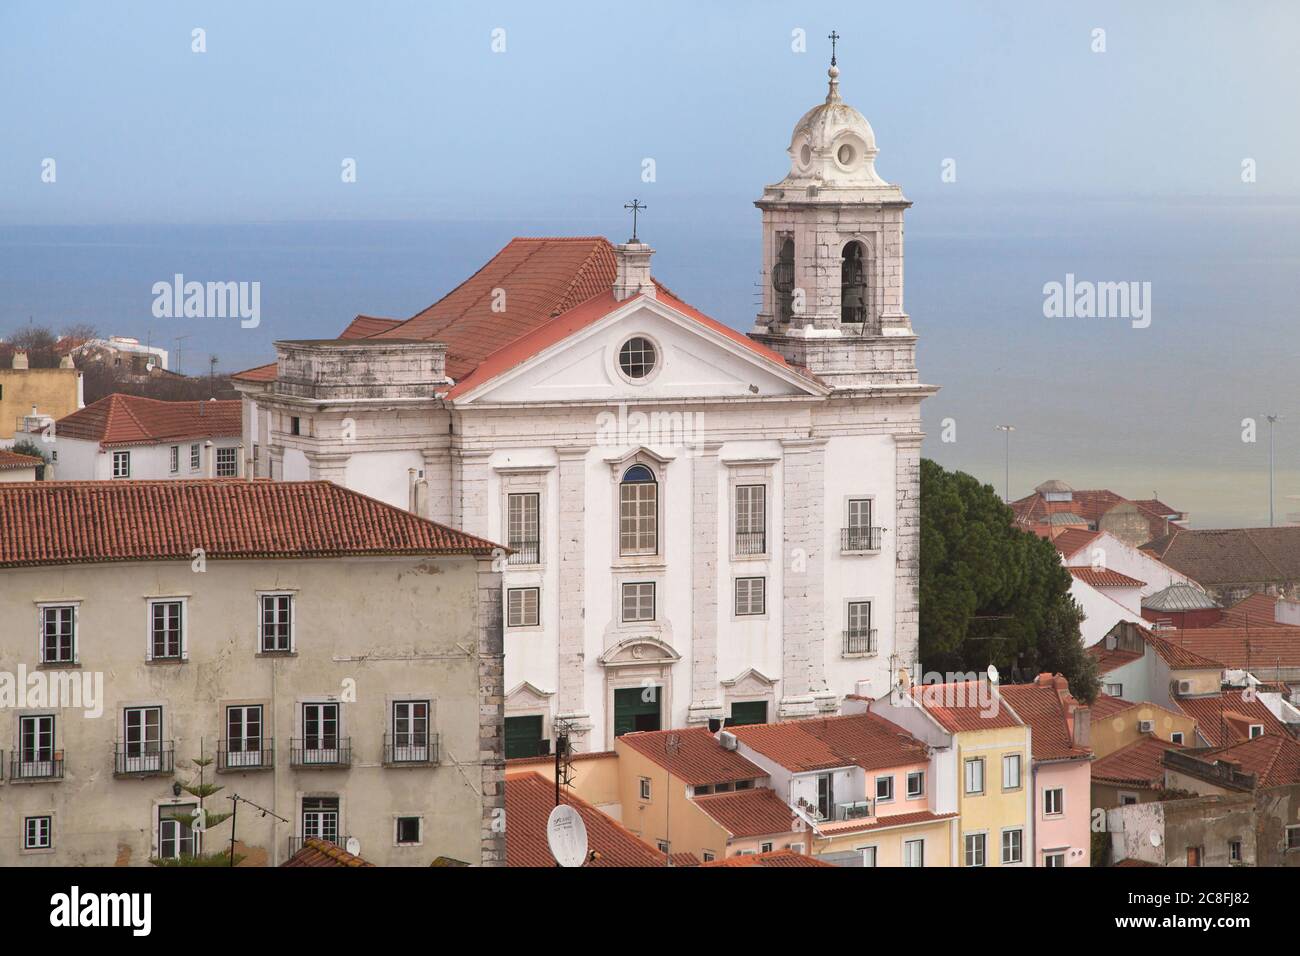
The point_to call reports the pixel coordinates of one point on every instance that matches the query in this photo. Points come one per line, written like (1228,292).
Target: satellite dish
(566,835)
(353,846)
(993,674)
(1155,838)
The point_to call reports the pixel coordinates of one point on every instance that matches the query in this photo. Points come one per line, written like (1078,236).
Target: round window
(637,357)
(846,155)
(805,155)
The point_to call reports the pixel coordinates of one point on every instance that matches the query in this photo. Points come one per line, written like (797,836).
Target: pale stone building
(337,660)
(703,524)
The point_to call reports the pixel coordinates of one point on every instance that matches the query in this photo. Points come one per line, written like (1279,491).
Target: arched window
(638,512)
(783,278)
(853,285)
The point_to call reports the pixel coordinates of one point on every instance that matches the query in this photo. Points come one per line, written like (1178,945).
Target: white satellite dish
(993,674)
(1155,838)
(566,835)
(353,846)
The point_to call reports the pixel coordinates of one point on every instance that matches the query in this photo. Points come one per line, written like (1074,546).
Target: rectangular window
(276,624)
(765,848)
(859,536)
(751,519)
(1053,802)
(244,736)
(121,464)
(320,733)
(523,527)
(645,788)
(1054,859)
(858,638)
(975,775)
(408,831)
(1234,851)
(295,425)
(638,517)
(522,607)
(38,833)
(1176,737)
(36,746)
(884,789)
(175,458)
(1127,799)
(1012,846)
(58,634)
(320,818)
(196,461)
(165,623)
(410,731)
(868,856)
(638,601)
(141,739)
(1293,838)
(1011,772)
(523,736)
(227,462)
(914,853)
(1113,690)
(825,796)
(915,784)
(176,837)
(751,596)
(975,849)
(1256,730)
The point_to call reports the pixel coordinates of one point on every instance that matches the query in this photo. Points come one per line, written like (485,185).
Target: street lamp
(1006,488)
(1271,420)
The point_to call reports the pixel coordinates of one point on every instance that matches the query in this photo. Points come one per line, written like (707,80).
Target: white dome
(834,144)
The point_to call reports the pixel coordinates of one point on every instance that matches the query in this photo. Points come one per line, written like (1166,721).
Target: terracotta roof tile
(12,460)
(749,813)
(968,705)
(1222,557)
(1224,719)
(1111,659)
(1072,541)
(1140,764)
(1251,648)
(118,420)
(530,798)
(917,818)
(1274,760)
(864,740)
(77,522)
(698,758)
(1043,707)
(1105,578)
(1107,706)
(777,858)
(1177,654)
(321,853)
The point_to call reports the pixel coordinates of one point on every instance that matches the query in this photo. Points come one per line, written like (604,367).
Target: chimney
(632,261)
(1081,727)
(20,358)
(209,460)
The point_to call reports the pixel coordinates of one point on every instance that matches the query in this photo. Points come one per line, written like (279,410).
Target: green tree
(201,821)
(991,593)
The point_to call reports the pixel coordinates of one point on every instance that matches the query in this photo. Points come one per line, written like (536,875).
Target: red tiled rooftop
(1105,578)
(864,740)
(1043,706)
(968,705)
(777,858)
(697,759)
(77,522)
(119,420)
(919,817)
(1107,706)
(10,460)
(321,853)
(748,813)
(530,798)
(1224,719)
(1139,764)
(1109,660)
(1274,760)
(1176,652)
(1073,540)
(1254,648)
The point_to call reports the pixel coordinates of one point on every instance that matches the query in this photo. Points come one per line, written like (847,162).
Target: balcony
(857,810)
(135,760)
(296,843)
(858,540)
(749,544)
(860,641)
(46,766)
(410,750)
(243,754)
(322,753)
(525,552)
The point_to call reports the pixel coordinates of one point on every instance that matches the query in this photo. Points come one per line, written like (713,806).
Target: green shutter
(748,712)
(633,712)
(523,737)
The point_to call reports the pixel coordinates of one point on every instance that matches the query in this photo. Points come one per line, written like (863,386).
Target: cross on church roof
(635,206)
(833,36)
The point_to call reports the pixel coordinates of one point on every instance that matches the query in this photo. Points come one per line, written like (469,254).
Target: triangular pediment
(639,651)
(525,693)
(749,681)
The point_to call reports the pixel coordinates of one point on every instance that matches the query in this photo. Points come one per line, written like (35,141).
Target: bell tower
(833,254)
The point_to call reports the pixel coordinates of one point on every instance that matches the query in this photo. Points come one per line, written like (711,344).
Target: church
(700,523)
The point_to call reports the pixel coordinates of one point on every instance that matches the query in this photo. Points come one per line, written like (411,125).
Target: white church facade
(701,523)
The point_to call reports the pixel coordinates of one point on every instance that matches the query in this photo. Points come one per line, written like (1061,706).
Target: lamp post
(1006,488)
(1272,419)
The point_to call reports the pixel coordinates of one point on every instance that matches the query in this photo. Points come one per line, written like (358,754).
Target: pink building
(1062,769)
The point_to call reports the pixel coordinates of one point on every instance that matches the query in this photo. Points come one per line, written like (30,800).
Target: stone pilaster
(491,733)
(706,700)
(437,476)
(469,506)
(907,551)
(803,635)
(571,531)
(328,466)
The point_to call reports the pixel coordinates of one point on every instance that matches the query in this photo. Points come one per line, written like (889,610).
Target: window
(521,607)
(410,731)
(853,268)
(825,796)
(58,634)
(638,512)
(1012,846)
(1011,772)
(1054,859)
(121,464)
(1176,737)
(524,736)
(176,836)
(36,746)
(165,630)
(244,736)
(709,856)
(1256,730)
(637,357)
(884,789)
(744,785)
(645,788)
(765,848)
(523,527)
(975,775)
(320,733)
(662,845)
(1053,802)
(1234,851)
(1193,856)
(747,712)
(723,787)
(858,637)
(751,519)
(868,855)
(783,277)
(1113,690)
(913,853)
(320,818)
(975,849)
(915,784)
(1127,799)
(141,740)
(227,462)
(639,601)
(751,596)
(195,459)
(276,624)
(37,833)
(859,535)
(703,790)
(1293,838)
(295,425)
(408,831)
(175,458)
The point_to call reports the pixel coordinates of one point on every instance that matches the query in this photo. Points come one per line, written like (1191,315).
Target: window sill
(858,655)
(859,551)
(58,665)
(275,654)
(166,660)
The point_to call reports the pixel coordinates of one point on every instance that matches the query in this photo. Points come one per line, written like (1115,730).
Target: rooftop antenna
(1006,488)
(236,800)
(636,206)
(179,365)
(1272,419)
(672,747)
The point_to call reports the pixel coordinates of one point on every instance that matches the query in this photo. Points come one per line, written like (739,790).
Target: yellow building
(55,392)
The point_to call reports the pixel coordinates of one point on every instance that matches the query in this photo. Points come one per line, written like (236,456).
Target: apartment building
(337,660)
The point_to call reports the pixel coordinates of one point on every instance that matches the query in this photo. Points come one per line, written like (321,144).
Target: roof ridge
(1267,560)
(601,245)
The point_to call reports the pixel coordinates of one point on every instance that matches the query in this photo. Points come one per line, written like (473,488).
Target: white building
(702,523)
(126,436)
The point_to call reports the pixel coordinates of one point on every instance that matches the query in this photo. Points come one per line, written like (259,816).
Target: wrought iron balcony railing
(239,754)
(860,641)
(320,753)
(46,765)
(525,552)
(860,539)
(141,760)
(412,749)
(751,543)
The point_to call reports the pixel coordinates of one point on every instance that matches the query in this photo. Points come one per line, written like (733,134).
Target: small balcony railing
(238,755)
(46,766)
(136,760)
(296,843)
(321,753)
(751,543)
(860,641)
(525,552)
(860,539)
(410,750)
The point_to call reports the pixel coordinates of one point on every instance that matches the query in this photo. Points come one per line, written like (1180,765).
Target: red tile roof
(1109,660)
(321,853)
(697,759)
(1107,706)
(777,858)
(967,705)
(11,460)
(361,327)
(1259,610)
(864,740)
(1177,653)
(839,827)
(1105,578)
(79,522)
(749,813)
(1256,649)
(119,420)
(1274,760)
(1044,706)
(1140,764)
(1231,557)
(530,798)
(1093,505)
(1073,540)
(1224,719)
